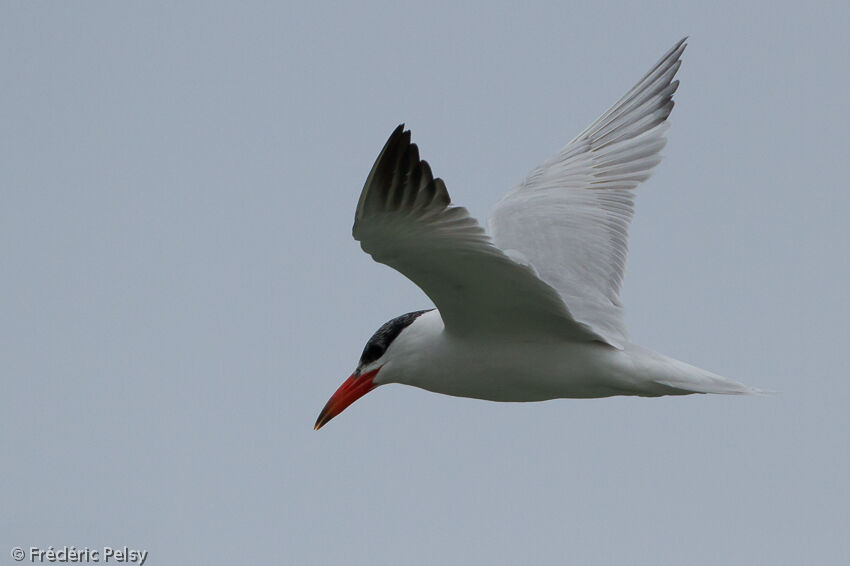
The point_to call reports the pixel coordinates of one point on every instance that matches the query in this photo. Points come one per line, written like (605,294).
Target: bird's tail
(691,379)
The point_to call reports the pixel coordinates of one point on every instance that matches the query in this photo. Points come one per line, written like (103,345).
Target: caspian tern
(530,310)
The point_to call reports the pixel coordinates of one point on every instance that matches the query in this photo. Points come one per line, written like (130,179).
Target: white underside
(525,369)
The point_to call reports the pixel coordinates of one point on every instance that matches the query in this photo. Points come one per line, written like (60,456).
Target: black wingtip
(399,137)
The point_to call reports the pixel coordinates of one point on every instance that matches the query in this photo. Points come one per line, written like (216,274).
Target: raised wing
(405,220)
(569,219)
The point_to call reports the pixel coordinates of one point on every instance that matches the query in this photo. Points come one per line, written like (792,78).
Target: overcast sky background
(180,292)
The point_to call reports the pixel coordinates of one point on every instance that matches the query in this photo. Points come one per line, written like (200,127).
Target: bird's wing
(569,219)
(405,220)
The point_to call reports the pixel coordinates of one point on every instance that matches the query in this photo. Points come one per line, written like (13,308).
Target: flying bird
(530,309)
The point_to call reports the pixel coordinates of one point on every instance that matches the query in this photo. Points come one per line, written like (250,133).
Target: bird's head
(380,350)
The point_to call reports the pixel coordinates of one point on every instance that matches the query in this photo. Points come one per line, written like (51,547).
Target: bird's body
(535,368)
(529,310)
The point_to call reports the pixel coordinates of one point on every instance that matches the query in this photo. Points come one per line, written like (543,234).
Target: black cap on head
(381,340)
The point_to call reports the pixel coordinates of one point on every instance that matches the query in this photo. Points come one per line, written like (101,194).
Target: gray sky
(181,293)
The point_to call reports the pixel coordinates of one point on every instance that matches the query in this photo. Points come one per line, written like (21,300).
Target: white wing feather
(405,220)
(569,219)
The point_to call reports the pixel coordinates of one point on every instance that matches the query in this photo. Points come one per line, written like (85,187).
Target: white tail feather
(679,375)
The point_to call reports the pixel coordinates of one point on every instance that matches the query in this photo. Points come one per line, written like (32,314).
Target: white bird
(531,310)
